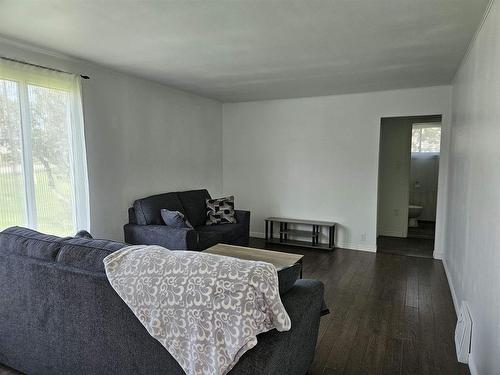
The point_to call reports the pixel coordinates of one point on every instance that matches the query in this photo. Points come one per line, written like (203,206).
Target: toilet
(414,211)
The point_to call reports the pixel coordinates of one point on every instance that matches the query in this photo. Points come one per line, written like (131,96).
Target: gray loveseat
(59,315)
(146,226)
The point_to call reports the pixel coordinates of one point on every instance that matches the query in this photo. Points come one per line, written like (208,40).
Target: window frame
(421,126)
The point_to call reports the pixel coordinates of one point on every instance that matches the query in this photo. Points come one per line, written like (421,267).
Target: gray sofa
(59,315)
(146,225)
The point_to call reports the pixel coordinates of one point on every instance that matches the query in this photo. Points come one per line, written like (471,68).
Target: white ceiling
(249,49)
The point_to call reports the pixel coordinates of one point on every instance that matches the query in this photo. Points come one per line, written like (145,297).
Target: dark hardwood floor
(390,314)
(425,229)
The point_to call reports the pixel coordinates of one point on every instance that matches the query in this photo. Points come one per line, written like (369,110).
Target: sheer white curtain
(43,168)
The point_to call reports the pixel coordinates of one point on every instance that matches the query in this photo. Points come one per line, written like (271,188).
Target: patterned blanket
(205,309)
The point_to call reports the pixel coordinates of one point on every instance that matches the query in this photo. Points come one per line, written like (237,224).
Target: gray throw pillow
(83,234)
(220,211)
(174,219)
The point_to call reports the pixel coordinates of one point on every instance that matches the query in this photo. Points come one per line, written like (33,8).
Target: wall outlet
(396,212)
(363,237)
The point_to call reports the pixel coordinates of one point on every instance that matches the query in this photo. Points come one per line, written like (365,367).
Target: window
(426,138)
(43,172)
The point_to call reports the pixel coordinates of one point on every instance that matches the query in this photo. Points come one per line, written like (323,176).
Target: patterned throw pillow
(220,211)
(174,219)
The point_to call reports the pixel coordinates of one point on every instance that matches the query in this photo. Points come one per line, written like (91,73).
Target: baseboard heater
(463,333)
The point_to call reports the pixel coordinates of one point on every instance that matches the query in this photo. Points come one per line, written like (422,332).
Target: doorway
(408,185)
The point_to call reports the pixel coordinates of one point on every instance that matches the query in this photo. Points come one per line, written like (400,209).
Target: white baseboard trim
(356,246)
(438,256)
(472,363)
(452,288)
(344,245)
(257,234)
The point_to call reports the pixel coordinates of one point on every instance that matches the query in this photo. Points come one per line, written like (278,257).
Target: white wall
(394,177)
(142,138)
(424,173)
(317,158)
(473,226)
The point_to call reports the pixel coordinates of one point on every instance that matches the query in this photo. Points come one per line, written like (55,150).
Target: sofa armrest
(290,352)
(302,296)
(131,216)
(243,218)
(162,235)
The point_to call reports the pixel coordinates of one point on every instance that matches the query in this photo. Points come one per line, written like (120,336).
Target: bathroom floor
(419,243)
(425,229)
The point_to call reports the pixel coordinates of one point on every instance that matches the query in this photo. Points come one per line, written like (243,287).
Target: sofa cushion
(147,210)
(29,243)
(82,253)
(229,232)
(86,254)
(195,206)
